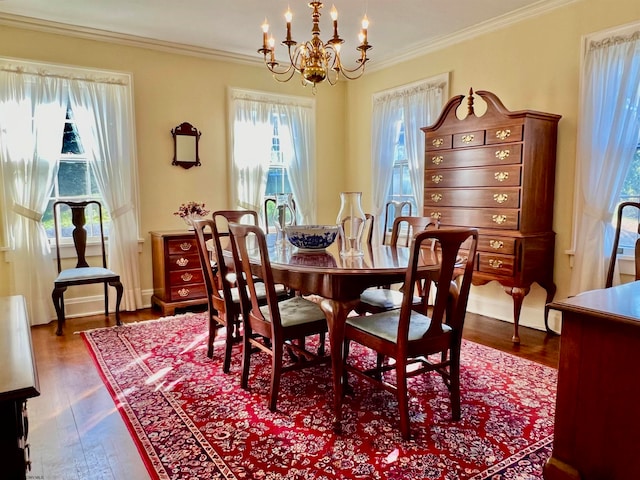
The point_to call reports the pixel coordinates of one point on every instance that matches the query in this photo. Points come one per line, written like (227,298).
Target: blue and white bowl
(311,237)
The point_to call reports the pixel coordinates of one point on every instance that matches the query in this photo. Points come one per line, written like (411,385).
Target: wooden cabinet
(18,382)
(177,273)
(496,172)
(597,426)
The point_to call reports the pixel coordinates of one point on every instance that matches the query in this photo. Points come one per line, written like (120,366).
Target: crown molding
(87,33)
(411,52)
(432,45)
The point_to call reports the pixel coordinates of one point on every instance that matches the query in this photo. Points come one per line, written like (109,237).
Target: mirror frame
(187,130)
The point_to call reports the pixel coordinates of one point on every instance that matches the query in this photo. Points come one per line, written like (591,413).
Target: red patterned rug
(191,421)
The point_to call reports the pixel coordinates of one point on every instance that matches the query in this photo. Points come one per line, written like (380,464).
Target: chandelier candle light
(314,59)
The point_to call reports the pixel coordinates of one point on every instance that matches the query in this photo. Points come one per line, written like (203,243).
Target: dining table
(337,282)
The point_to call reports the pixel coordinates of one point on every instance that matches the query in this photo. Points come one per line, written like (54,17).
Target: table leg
(336,313)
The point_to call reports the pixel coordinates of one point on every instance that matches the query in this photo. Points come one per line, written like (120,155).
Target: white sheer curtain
(252,135)
(608,136)
(418,105)
(32,116)
(252,116)
(102,115)
(301,165)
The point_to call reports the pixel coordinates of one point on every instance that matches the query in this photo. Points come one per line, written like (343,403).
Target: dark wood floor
(76,432)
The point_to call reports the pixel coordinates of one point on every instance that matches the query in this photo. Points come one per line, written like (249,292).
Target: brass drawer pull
(502,134)
(501,176)
(183,292)
(496,244)
(500,197)
(436,197)
(436,215)
(436,178)
(502,154)
(437,142)
(499,219)
(495,263)
(437,160)
(467,138)
(186,277)
(182,262)
(185,246)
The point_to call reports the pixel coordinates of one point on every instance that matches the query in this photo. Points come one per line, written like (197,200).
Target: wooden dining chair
(392,210)
(623,208)
(411,336)
(223,298)
(82,273)
(276,326)
(375,299)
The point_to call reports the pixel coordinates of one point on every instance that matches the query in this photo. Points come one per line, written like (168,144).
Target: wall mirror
(185,145)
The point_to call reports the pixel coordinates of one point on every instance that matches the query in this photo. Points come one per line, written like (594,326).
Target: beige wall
(530,65)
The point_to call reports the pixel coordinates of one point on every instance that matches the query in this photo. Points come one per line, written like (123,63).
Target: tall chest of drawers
(178,281)
(496,172)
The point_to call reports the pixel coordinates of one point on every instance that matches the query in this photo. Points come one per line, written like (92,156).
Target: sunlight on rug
(190,420)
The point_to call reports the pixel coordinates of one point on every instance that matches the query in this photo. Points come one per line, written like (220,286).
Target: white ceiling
(231,28)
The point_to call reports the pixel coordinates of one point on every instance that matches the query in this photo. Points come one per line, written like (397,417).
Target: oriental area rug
(192,421)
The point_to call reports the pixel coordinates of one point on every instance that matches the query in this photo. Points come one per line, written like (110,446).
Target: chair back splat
(82,273)
(278,325)
(623,209)
(412,335)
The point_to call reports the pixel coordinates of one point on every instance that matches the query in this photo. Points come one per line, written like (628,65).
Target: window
(75,181)
(401,189)
(278,177)
(630,193)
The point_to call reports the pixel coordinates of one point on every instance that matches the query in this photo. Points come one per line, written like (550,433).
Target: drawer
(435,141)
(506,133)
(508,219)
(497,244)
(503,265)
(498,176)
(470,197)
(184,277)
(183,262)
(176,246)
(475,157)
(187,292)
(468,139)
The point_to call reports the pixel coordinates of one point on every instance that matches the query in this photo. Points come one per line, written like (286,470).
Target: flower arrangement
(191,209)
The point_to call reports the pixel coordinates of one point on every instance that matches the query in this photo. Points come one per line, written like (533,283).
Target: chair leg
(403,398)
(345,375)
(119,292)
(379,362)
(321,347)
(246,358)
(213,326)
(454,383)
(58,302)
(106,299)
(228,347)
(276,372)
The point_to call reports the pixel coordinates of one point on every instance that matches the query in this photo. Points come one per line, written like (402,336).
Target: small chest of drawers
(496,172)
(177,273)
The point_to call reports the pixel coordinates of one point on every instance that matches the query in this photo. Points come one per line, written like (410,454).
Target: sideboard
(597,426)
(496,172)
(178,281)
(18,382)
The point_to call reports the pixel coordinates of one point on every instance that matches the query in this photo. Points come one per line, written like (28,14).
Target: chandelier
(315,60)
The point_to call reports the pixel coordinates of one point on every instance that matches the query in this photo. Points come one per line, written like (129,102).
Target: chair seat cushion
(85,273)
(384,298)
(385,325)
(296,311)
(261,292)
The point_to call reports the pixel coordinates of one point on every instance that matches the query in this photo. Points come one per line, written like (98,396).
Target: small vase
(188,219)
(351,220)
(284,208)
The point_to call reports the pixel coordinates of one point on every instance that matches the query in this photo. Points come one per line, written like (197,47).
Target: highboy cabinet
(496,172)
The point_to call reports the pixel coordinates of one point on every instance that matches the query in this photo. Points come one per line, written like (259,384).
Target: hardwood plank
(77,434)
